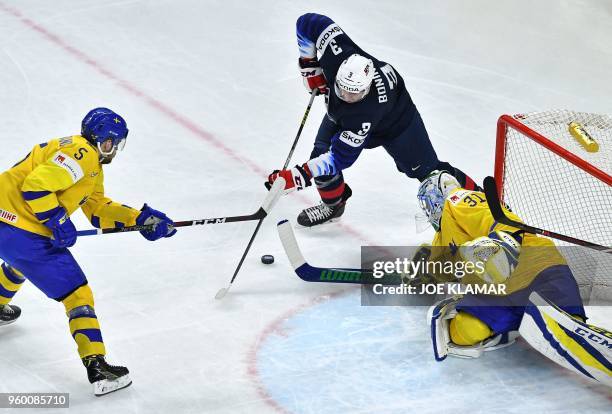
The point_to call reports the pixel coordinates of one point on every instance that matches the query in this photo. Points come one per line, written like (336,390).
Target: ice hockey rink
(213,99)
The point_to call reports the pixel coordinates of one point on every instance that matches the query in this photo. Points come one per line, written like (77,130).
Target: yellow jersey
(466,216)
(62,173)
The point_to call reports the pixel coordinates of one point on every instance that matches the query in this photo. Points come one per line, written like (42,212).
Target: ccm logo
(219,220)
(600,340)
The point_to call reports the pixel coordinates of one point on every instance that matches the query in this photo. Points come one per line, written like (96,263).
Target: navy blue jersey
(382,115)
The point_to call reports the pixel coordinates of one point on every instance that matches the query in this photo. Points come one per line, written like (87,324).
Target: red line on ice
(275,328)
(156,104)
(132,89)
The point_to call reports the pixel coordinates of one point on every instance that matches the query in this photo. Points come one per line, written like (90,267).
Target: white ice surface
(213,100)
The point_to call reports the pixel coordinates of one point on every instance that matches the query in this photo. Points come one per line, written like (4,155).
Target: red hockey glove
(296,178)
(312,75)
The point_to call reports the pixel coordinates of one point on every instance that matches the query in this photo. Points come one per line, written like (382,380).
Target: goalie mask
(433,192)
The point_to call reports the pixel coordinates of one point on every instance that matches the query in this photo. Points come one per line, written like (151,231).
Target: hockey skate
(9,314)
(104,377)
(322,213)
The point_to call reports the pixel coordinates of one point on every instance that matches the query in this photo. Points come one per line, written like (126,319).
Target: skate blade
(104,387)
(334,220)
(2,323)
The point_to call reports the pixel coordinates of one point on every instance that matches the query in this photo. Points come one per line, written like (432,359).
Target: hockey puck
(267,259)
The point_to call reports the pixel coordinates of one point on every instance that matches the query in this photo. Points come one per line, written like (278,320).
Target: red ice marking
(276,328)
(154,103)
(132,89)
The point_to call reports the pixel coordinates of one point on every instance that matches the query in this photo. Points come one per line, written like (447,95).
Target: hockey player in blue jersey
(367,106)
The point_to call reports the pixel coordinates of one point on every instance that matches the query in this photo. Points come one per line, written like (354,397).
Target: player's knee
(466,329)
(83,296)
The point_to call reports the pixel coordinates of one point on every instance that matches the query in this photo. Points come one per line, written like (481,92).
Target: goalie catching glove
(496,254)
(296,178)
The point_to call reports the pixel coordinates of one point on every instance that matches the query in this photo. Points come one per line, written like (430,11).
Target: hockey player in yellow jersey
(536,294)
(37,197)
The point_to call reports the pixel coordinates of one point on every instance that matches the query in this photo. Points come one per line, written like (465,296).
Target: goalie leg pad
(441,317)
(566,340)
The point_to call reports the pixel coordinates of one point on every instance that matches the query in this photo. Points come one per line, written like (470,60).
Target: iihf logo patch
(457,196)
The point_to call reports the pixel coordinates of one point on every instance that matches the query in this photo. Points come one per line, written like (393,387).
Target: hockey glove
(495,256)
(64,232)
(312,75)
(420,275)
(297,178)
(162,226)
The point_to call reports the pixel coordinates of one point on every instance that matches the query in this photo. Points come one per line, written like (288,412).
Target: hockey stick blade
(221,293)
(274,194)
(309,273)
(490,189)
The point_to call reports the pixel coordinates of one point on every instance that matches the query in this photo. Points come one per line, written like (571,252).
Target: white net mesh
(549,192)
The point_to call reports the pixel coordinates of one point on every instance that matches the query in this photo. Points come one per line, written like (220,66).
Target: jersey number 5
(79,154)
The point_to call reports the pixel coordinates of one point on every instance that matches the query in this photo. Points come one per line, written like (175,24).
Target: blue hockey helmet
(101,125)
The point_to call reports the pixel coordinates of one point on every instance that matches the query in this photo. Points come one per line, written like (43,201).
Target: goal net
(554,170)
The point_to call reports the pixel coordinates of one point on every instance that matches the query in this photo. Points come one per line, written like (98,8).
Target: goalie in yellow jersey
(540,299)
(37,197)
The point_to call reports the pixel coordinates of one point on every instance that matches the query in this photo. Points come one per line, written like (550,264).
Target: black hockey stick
(271,199)
(223,291)
(490,189)
(309,273)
